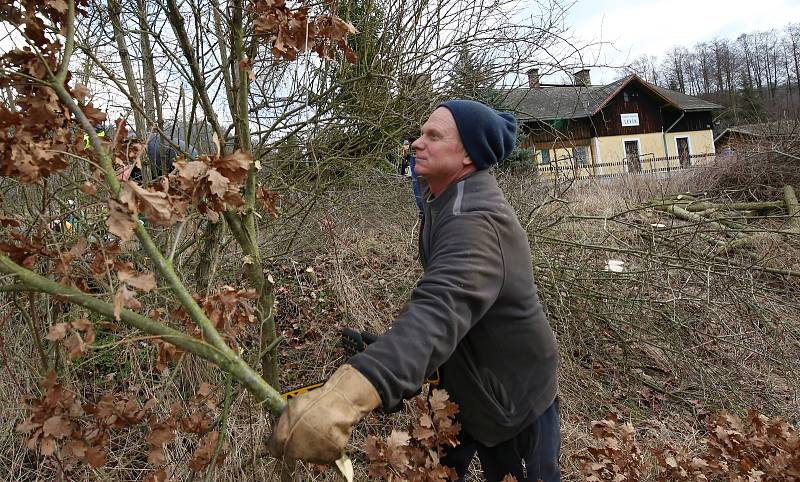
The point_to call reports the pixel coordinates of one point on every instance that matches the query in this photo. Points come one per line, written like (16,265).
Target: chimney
(582,78)
(533,79)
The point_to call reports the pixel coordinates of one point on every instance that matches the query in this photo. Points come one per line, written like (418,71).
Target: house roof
(551,102)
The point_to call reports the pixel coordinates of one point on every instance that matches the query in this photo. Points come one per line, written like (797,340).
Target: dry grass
(675,335)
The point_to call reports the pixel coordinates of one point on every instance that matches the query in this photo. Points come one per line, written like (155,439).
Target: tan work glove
(316,426)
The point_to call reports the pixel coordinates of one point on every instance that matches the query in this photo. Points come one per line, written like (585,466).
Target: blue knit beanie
(488,136)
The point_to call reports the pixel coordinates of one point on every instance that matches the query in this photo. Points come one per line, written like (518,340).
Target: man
(162,154)
(474,314)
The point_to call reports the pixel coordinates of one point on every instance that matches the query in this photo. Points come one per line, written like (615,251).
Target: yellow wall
(561,154)
(606,155)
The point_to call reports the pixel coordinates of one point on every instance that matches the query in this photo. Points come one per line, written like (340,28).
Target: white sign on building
(629,120)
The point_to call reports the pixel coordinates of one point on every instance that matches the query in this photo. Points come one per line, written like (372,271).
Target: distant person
(411,160)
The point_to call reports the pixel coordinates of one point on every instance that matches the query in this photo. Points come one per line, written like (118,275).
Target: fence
(567,168)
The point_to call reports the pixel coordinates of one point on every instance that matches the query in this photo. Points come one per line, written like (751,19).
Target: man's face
(440,153)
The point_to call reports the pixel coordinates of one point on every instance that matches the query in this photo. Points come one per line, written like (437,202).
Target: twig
(37,340)
(223,429)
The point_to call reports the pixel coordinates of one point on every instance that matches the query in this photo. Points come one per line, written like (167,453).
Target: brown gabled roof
(551,102)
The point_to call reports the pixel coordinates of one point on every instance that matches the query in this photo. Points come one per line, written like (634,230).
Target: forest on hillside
(756,76)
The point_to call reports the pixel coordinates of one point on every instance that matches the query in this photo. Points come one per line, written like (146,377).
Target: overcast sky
(653,26)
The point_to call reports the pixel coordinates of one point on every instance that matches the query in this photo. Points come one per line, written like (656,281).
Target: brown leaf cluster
(65,263)
(34,136)
(200,410)
(104,260)
(195,419)
(616,455)
(51,416)
(126,152)
(9,221)
(290,32)
(211,183)
(60,426)
(414,455)
(167,352)
(759,450)
(268,200)
(76,335)
(23,251)
(162,432)
(230,310)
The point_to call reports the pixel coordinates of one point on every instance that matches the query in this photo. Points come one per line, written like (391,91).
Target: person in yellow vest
(99,130)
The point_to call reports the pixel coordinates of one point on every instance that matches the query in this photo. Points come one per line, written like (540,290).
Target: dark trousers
(531,455)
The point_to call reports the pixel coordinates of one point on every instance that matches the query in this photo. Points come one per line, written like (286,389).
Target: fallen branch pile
(732,227)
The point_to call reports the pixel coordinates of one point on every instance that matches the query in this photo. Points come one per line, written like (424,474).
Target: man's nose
(417,144)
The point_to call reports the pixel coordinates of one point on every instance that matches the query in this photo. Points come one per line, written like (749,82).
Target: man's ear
(466,161)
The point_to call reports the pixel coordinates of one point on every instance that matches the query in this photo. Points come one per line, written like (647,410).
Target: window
(545,156)
(581,154)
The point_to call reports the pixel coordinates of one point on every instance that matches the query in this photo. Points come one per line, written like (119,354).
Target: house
(626,126)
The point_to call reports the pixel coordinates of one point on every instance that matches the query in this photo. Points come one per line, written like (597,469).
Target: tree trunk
(208,255)
(152,101)
(115,12)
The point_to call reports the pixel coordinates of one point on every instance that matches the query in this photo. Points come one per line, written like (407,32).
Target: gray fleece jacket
(475,315)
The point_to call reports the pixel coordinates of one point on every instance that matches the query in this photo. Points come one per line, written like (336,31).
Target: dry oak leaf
(396,445)
(74,342)
(125,298)
(95,115)
(88,188)
(234,166)
(218,183)
(204,453)
(95,457)
(57,331)
(423,431)
(167,352)
(246,65)
(75,448)
(80,91)
(120,221)
(196,422)
(9,222)
(155,205)
(76,347)
(56,426)
(161,433)
(141,281)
